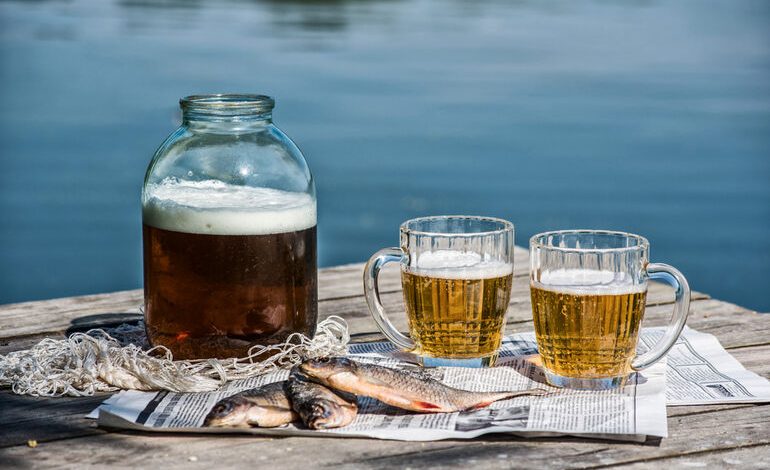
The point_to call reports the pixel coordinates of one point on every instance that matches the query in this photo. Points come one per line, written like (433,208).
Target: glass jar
(229,230)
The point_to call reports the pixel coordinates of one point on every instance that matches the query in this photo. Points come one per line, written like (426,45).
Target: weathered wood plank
(45,419)
(51,323)
(754,358)
(658,294)
(709,315)
(721,318)
(55,324)
(733,325)
(390,282)
(347,280)
(56,315)
(751,457)
(748,428)
(74,441)
(53,419)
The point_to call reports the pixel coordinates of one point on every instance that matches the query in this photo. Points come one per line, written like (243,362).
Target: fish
(319,407)
(267,406)
(403,389)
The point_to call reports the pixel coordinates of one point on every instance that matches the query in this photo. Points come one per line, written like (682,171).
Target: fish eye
(320,411)
(222,408)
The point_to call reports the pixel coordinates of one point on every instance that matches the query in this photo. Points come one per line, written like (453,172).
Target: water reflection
(298,15)
(652,117)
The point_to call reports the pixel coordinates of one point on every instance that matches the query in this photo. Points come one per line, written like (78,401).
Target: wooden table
(713,436)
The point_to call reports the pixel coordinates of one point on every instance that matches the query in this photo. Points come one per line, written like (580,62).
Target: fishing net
(106,360)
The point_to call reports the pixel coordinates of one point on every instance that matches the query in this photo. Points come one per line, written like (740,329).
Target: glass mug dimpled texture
(456,274)
(588,295)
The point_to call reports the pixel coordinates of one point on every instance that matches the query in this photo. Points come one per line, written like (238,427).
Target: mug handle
(372,291)
(675,279)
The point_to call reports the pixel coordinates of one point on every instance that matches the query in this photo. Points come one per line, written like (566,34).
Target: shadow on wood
(43,419)
(102,320)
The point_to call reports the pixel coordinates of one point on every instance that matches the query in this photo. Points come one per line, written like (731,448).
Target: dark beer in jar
(227,266)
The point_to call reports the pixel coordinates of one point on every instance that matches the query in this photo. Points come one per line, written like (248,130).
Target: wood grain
(691,434)
(58,315)
(749,457)
(714,436)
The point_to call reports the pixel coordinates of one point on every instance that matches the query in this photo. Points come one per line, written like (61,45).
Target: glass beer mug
(229,230)
(588,292)
(456,274)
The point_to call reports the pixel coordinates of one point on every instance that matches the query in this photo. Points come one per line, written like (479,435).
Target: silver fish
(265,407)
(319,407)
(402,389)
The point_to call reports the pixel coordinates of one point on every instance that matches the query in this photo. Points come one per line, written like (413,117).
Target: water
(649,116)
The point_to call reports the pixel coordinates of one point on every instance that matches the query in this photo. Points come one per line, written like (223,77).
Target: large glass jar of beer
(229,228)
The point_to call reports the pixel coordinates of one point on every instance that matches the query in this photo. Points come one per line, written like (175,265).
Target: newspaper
(701,372)
(704,373)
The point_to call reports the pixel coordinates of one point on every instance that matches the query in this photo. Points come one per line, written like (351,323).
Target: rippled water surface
(647,116)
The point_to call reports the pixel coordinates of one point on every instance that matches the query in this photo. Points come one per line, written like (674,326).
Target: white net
(105,360)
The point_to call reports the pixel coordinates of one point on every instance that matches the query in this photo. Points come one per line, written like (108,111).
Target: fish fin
(348,397)
(426,405)
(478,406)
(376,382)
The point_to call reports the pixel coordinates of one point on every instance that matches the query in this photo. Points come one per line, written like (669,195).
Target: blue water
(648,116)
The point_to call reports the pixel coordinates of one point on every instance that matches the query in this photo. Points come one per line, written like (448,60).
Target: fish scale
(266,406)
(403,389)
(268,395)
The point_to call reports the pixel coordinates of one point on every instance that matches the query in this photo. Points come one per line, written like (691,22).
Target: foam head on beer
(587,281)
(227,266)
(217,208)
(455,264)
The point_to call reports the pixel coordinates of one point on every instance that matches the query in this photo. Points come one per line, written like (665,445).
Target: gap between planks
(656,461)
(749,457)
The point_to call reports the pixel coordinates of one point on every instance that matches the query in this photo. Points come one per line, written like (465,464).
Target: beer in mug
(587,332)
(456,274)
(588,292)
(456,312)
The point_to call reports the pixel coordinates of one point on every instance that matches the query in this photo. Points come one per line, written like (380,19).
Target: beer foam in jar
(455,264)
(217,208)
(588,281)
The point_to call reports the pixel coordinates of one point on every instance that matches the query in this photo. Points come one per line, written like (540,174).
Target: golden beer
(587,334)
(456,274)
(457,318)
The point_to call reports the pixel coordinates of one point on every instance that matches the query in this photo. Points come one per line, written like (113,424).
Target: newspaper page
(630,413)
(701,372)
(697,371)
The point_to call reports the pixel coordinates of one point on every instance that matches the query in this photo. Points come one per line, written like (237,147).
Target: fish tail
(492,397)
(521,393)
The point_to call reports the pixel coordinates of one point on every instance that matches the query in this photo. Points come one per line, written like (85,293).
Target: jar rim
(228,103)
